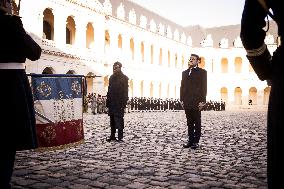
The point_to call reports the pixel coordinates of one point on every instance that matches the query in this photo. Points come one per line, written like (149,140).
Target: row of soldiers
(152,104)
(97,104)
(215,105)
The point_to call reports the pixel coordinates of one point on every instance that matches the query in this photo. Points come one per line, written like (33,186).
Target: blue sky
(207,13)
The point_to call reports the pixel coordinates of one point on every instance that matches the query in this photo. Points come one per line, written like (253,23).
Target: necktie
(189,71)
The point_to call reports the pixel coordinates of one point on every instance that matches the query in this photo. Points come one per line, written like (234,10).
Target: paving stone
(136,185)
(232,154)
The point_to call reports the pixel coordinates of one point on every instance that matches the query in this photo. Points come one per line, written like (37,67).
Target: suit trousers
(193,117)
(116,122)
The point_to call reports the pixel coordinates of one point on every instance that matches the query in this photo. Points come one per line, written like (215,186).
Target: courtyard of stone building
(232,154)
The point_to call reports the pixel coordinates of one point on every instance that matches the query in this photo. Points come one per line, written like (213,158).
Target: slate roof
(197,33)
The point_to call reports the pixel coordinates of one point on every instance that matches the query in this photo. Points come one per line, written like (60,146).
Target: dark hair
(117,64)
(195,55)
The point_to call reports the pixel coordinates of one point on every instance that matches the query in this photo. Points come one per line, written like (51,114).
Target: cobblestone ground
(232,155)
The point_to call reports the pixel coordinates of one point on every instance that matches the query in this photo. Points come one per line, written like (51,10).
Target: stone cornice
(142,29)
(84,4)
(67,55)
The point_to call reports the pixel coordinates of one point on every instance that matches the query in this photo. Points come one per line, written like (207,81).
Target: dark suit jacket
(193,87)
(117,94)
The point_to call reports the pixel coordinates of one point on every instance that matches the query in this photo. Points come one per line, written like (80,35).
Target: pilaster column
(136,88)
(81,28)
(231,65)
(179,63)
(165,91)
(113,48)
(126,47)
(217,65)
(172,59)
(165,57)
(245,95)
(60,28)
(209,61)
(137,51)
(156,54)
(245,66)
(146,88)
(147,52)
(156,89)
(177,90)
(110,51)
(99,36)
(231,96)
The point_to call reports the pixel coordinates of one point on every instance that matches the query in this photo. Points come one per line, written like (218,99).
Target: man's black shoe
(187,145)
(110,139)
(120,140)
(194,146)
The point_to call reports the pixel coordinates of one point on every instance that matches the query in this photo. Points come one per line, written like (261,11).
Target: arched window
(48,24)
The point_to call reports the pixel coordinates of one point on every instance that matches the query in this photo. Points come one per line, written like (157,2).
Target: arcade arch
(142,52)
(90,36)
(132,48)
(142,88)
(169,58)
(106,82)
(238,96)
(151,89)
(48,24)
(238,65)
(48,70)
(131,92)
(70,30)
(224,65)
(71,72)
(160,90)
(202,63)
(152,54)
(224,94)
(168,90)
(119,43)
(90,82)
(161,57)
(182,62)
(253,95)
(107,41)
(266,93)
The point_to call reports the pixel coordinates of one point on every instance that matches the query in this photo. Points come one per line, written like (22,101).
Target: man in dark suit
(270,68)
(193,92)
(117,97)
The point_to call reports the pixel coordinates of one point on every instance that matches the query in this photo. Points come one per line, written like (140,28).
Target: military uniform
(18,132)
(270,68)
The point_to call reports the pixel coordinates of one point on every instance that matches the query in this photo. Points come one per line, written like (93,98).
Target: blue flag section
(56,88)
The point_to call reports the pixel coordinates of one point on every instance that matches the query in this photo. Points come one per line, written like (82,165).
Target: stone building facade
(86,37)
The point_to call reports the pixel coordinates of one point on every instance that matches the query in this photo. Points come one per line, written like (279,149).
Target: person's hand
(201,105)
(182,105)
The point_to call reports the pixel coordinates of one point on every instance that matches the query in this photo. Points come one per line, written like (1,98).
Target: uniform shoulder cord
(265,7)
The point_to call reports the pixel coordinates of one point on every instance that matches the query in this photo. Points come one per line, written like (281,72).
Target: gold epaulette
(257,52)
